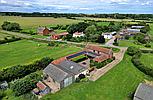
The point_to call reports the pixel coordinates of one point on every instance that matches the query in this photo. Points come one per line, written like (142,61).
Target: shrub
(127,37)
(132,50)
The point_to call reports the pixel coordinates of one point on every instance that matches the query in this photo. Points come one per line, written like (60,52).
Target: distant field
(147,59)
(117,84)
(33,22)
(151,30)
(107,19)
(26,51)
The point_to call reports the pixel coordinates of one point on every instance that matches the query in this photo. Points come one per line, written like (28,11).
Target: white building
(78,34)
(109,35)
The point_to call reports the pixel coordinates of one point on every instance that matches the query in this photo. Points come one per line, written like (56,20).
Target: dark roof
(72,67)
(144,92)
(56,73)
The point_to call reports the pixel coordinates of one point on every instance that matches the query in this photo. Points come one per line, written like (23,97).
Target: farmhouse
(44,31)
(64,71)
(58,36)
(143,92)
(78,34)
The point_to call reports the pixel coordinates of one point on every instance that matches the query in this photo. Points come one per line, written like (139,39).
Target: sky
(78,6)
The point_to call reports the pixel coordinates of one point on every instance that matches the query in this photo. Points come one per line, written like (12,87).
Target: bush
(22,86)
(132,50)
(20,71)
(81,76)
(127,37)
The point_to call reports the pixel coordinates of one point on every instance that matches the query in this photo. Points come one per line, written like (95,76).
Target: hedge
(9,40)
(20,71)
(136,60)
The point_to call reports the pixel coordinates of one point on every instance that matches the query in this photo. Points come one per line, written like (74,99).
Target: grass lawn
(117,84)
(34,22)
(27,51)
(146,59)
(102,23)
(128,43)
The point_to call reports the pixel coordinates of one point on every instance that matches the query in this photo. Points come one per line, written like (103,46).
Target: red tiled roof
(41,86)
(97,48)
(55,62)
(101,58)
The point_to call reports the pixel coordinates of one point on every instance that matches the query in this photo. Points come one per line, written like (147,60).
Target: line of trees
(70,15)
(6,40)
(20,71)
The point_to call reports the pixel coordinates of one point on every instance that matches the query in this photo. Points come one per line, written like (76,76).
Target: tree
(11,26)
(101,39)
(91,33)
(80,27)
(132,50)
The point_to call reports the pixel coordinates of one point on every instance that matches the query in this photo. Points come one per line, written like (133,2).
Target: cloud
(78,6)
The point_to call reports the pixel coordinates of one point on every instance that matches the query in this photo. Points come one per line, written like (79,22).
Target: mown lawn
(27,51)
(147,59)
(117,84)
(34,22)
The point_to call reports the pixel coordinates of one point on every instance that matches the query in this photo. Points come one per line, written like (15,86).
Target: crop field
(146,59)
(117,84)
(107,19)
(27,51)
(33,22)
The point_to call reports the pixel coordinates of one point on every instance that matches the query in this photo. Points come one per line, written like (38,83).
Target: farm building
(78,34)
(63,74)
(64,71)
(143,92)
(58,36)
(109,35)
(137,27)
(42,89)
(44,31)
(133,30)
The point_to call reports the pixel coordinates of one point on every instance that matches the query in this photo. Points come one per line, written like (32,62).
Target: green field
(151,30)
(147,59)
(128,43)
(34,22)
(117,84)
(26,51)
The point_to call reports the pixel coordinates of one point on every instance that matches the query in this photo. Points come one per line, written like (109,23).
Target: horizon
(78,6)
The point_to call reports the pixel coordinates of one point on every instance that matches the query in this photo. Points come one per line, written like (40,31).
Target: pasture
(146,59)
(118,84)
(27,51)
(34,22)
